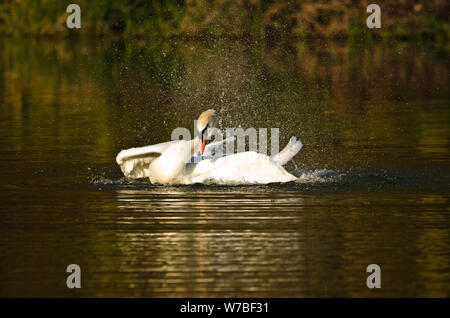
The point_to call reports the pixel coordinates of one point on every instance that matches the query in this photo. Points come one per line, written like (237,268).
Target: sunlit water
(373,175)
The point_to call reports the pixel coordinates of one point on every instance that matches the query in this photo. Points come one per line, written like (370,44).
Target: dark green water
(374,173)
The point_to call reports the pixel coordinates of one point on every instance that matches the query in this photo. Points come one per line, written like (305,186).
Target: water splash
(308,179)
(315,176)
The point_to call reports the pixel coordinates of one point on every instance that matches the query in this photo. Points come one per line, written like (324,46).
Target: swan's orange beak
(201,145)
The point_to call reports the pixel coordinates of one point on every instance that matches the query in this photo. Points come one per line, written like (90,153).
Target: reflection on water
(373,175)
(199,245)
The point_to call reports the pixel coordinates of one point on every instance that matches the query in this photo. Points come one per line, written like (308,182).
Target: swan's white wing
(134,162)
(241,168)
(213,147)
(212,151)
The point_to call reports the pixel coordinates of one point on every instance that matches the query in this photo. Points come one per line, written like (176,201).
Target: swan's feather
(291,149)
(134,162)
(213,147)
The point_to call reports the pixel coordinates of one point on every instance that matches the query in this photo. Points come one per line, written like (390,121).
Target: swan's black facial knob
(203,140)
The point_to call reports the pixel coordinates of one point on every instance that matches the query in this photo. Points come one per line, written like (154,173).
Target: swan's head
(205,122)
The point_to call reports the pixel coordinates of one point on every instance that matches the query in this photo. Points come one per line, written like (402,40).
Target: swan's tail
(291,149)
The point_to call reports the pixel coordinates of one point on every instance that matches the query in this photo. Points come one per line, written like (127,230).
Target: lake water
(374,172)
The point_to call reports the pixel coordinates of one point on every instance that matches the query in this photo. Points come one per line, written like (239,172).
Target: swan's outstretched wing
(291,149)
(134,162)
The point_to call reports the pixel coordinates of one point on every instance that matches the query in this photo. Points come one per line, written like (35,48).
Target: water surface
(374,172)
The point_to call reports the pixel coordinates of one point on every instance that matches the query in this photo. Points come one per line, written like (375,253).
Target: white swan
(135,162)
(169,162)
